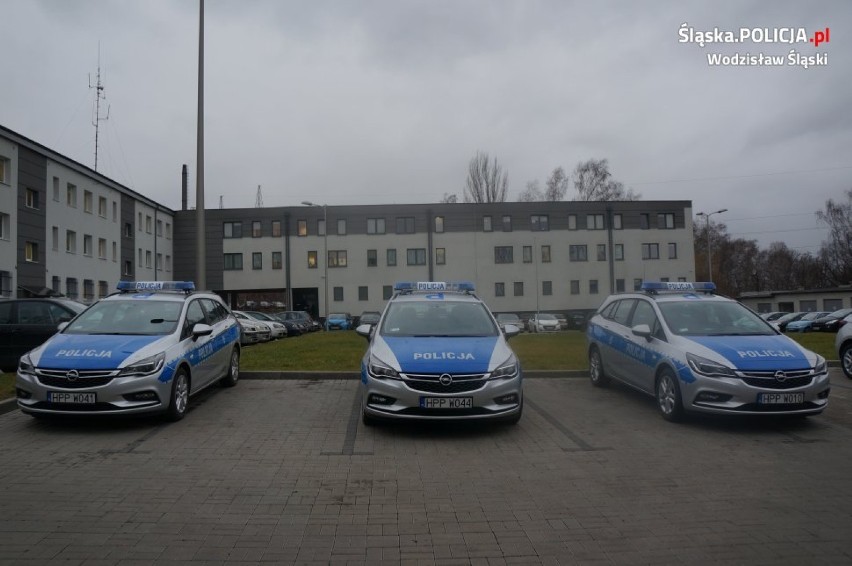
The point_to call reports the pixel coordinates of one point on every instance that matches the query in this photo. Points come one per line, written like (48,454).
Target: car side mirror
(642,330)
(510,331)
(201,330)
(365,330)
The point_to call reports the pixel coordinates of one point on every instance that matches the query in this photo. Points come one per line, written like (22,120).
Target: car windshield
(546,317)
(510,318)
(259,315)
(705,318)
(128,317)
(787,317)
(337,315)
(429,318)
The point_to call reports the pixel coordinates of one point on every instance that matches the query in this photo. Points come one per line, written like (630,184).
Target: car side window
(194,315)
(214,313)
(5,313)
(622,311)
(60,314)
(33,313)
(644,314)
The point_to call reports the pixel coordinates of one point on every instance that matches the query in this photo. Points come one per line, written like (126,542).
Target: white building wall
(9,207)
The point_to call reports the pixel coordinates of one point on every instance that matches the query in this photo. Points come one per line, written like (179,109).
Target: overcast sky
(386,101)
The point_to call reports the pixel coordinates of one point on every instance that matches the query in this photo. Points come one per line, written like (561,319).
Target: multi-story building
(66,229)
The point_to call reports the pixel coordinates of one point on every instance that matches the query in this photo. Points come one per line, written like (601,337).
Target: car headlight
(144,367)
(709,368)
(507,369)
(821,365)
(25,365)
(381,370)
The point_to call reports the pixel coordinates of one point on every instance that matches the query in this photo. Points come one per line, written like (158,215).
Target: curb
(8,405)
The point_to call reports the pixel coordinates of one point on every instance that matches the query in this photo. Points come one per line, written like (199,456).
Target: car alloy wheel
(846,360)
(668,396)
(596,369)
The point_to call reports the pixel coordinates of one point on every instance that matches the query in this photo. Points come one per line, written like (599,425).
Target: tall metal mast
(96,111)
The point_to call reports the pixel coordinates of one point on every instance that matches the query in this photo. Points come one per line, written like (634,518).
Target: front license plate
(780,398)
(62,397)
(446,402)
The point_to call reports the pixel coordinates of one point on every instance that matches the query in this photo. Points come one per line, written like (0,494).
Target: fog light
(376,399)
(22,394)
(824,394)
(142,396)
(511,399)
(712,397)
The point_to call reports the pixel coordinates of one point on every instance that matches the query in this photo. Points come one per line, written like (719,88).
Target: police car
(147,348)
(696,351)
(437,353)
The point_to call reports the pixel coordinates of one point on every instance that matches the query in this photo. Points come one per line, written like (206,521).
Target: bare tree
(450,199)
(593,181)
(532,193)
(836,253)
(486,180)
(557,185)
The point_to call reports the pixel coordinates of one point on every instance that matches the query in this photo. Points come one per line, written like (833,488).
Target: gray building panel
(32,223)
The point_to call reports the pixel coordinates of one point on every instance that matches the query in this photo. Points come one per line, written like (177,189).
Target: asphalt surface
(282,471)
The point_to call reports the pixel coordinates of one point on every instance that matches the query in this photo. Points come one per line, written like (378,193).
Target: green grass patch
(820,342)
(7,385)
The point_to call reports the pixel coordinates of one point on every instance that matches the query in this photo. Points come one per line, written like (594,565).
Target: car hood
(442,355)
(757,353)
(94,351)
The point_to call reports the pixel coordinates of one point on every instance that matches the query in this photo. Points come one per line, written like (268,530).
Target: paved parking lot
(283,472)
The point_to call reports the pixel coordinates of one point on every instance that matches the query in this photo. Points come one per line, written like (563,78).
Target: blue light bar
(678,286)
(155,286)
(432,286)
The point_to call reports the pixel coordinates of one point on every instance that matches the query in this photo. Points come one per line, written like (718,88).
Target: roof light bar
(678,286)
(185,286)
(431,286)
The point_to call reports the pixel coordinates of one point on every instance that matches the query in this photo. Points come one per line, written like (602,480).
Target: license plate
(446,402)
(62,397)
(780,398)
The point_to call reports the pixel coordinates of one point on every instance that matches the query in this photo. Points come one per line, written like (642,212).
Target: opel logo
(72,375)
(445,379)
(780,376)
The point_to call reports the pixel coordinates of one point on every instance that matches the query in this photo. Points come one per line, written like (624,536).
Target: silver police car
(145,349)
(438,353)
(699,352)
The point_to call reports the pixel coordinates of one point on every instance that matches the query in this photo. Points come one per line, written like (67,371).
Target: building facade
(66,229)
(800,300)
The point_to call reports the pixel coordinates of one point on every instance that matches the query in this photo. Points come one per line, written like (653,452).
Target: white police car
(699,352)
(437,353)
(145,349)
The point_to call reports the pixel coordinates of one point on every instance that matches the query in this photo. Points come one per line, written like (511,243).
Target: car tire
(368,420)
(233,376)
(597,375)
(668,396)
(179,400)
(846,359)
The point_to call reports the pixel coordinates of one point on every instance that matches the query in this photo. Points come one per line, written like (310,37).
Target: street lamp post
(325,251)
(707,215)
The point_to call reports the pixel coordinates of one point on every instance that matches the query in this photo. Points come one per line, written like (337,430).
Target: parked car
(251,331)
(787,318)
(544,322)
(369,317)
(771,316)
(843,345)
(804,323)
(832,321)
(27,323)
(293,328)
(276,327)
(338,321)
(505,318)
(305,322)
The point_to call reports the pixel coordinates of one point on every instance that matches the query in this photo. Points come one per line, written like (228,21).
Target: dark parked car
(788,318)
(27,323)
(831,322)
(369,317)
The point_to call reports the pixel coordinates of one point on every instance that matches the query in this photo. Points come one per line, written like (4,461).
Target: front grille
(85,379)
(437,387)
(767,379)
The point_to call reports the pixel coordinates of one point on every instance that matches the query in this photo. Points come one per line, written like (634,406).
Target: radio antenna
(96,111)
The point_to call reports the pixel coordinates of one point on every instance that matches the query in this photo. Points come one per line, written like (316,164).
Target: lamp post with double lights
(325,251)
(707,215)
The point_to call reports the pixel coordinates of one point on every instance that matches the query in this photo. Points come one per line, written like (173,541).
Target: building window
(128,230)
(56,191)
(519,288)
(503,254)
(276,228)
(539,223)
(139,258)
(276,260)
(257,260)
(439,224)
(159,264)
(256,229)
(102,248)
(148,259)
(405,225)
(672,250)
(616,222)
(337,258)
(341,227)
(387,292)
(666,221)
(55,233)
(416,256)
(578,253)
(88,289)
(618,252)
(575,286)
(440,256)
(594,222)
(619,285)
(103,289)
(5,284)
(644,221)
(499,289)
(593,286)
(637,284)
(232,229)
(71,195)
(102,207)
(149,227)
(31,252)
(87,245)
(114,252)
(168,263)
(321,227)
(139,222)
(338,294)
(31,197)
(71,287)
(312,260)
(547,287)
(6,173)
(650,251)
(372,258)
(6,228)
(87,201)
(527,254)
(71,241)
(375,225)
(486,224)
(391,257)
(127,268)
(601,252)
(572,221)
(507,223)
(233,262)
(114,211)
(56,284)
(363,293)
(301,228)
